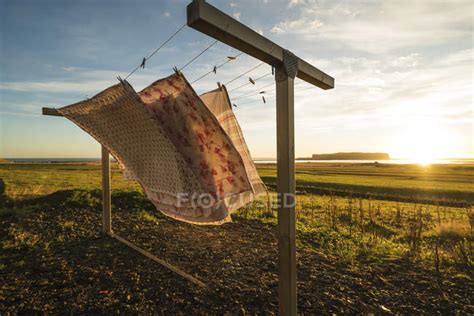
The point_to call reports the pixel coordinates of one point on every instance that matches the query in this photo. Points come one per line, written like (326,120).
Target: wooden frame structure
(212,22)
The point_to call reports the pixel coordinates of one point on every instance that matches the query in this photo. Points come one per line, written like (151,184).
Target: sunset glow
(424,142)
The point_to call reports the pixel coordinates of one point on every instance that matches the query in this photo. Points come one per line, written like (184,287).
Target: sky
(403,71)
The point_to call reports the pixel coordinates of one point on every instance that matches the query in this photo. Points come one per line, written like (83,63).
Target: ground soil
(73,268)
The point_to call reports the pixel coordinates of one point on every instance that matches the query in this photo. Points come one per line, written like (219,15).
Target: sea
(265,161)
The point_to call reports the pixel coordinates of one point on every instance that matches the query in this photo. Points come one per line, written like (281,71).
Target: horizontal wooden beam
(211,21)
(51,111)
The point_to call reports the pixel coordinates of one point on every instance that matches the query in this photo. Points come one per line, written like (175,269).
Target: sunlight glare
(423,142)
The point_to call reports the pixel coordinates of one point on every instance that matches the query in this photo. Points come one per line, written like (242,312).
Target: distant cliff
(351,156)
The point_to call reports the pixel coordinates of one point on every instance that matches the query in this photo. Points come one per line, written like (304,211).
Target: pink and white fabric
(168,140)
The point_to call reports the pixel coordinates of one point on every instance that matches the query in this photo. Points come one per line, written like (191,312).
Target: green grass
(448,184)
(361,230)
(433,184)
(33,180)
(341,221)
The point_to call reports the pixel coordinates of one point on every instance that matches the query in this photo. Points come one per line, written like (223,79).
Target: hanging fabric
(219,104)
(167,139)
(200,139)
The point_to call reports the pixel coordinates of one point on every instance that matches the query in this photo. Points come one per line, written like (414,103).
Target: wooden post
(106,198)
(286,192)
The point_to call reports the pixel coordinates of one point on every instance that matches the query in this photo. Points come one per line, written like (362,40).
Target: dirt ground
(55,260)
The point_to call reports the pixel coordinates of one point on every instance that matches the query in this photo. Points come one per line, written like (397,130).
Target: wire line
(247,83)
(217,67)
(259,92)
(271,97)
(240,76)
(253,92)
(155,51)
(197,56)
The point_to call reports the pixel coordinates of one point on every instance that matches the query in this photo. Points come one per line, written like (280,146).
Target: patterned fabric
(167,139)
(117,119)
(219,104)
(200,139)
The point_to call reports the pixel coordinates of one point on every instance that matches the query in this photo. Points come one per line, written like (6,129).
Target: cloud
(302,25)
(82,80)
(411,60)
(55,86)
(295,3)
(380,27)
(69,69)
(237,15)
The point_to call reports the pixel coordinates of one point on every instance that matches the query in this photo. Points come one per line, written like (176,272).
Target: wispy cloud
(378,27)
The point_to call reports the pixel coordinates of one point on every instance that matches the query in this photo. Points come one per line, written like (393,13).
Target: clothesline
(246,72)
(145,59)
(259,91)
(229,59)
(249,82)
(142,64)
(252,94)
(197,56)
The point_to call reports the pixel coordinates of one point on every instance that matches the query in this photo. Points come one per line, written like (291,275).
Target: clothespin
(142,65)
(234,104)
(231,57)
(120,79)
(273,71)
(251,80)
(219,85)
(263,98)
(176,70)
(261,92)
(215,69)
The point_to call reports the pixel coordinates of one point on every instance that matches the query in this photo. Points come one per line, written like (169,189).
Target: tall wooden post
(106,198)
(286,192)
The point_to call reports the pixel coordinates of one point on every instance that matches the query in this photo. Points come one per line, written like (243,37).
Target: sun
(423,142)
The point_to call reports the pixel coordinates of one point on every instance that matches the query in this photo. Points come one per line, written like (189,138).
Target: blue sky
(403,69)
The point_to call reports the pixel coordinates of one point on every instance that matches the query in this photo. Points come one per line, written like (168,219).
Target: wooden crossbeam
(211,21)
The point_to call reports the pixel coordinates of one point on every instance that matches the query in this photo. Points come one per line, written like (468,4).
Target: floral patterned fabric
(218,102)
(166,138)
(201,140)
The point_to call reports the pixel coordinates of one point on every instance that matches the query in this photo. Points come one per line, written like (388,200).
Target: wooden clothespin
(261,92)
(215,69)
(263,98)
(234,104)
(176,70)
(219,85)
(120,79)
(251,80)
(142,65)
(231,57)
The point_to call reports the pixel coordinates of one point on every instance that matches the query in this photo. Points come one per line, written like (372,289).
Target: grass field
(437,184)
(443,184)
(371,238)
